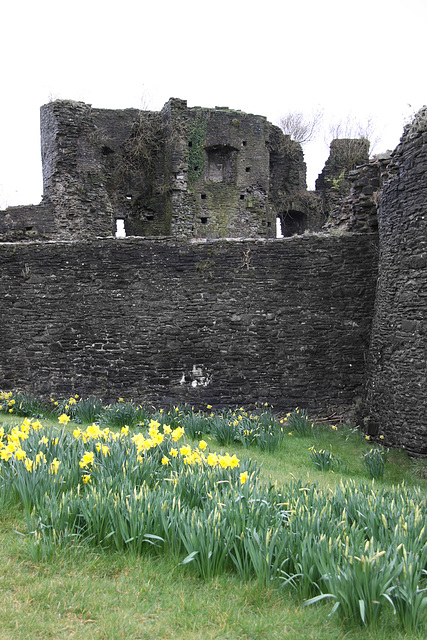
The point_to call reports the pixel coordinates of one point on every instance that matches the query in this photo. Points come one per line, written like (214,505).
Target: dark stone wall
(397,383)
(32,222)
(225,322)
(358,211)
(333,183)
(74,184)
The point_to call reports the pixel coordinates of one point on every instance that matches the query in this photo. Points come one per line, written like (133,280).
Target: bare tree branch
(301,128)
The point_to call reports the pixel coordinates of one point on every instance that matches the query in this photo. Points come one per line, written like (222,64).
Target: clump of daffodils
(91,448)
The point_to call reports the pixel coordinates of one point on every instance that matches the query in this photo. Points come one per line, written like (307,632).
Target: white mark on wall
(198,377)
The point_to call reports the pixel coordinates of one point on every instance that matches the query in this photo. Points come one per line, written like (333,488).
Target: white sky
(365,58)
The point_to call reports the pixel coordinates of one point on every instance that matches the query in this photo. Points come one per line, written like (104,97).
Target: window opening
(203,196)
(204,220)
(120,228)
(248,169)
(244,143)
(279,233)
(242,197)
(293,223)
(221,165)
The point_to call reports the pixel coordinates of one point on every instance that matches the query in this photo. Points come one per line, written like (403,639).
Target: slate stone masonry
(396,401)
(280,321)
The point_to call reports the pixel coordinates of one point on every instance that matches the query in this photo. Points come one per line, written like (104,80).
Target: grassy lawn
(83,590)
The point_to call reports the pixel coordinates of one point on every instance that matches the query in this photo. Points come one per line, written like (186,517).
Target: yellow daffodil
(212,459)
(20,454)
(64,419)
(54,466)
(88,459)
(177,434)
(93,432)
(244,477)
(185,450)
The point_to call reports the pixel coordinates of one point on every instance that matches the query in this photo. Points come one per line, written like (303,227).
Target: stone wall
(358,210)
(225,322)
(32,222)
(333,183)
(396,403)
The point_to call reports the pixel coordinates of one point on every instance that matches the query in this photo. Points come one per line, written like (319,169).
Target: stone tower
(397,371)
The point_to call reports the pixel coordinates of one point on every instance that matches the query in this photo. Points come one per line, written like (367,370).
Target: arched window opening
(293,223)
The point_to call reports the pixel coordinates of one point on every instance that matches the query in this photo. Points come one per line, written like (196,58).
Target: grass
(84,592)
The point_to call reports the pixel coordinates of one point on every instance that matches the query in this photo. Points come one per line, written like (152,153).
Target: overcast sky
(364,59)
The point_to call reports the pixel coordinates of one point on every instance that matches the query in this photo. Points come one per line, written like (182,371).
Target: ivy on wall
(196,143)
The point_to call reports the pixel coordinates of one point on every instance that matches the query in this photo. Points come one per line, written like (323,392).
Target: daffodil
(64,419)
(93,431)
(185,450)
(54,466)
(88,459)
(20,454)
(244,477)
(6,453)
(40,457)
(177,434)
(212,459)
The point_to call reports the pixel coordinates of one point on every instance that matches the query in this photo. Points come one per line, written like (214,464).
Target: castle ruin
(198,301)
